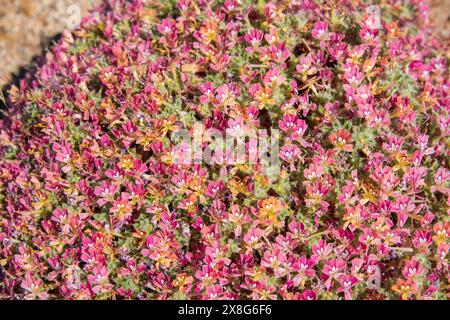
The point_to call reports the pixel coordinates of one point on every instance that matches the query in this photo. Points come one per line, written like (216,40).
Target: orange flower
(441,231)
(341,140)
(264,97)
(126,163)
(405,288)
(182,280)
(209,32)
(269,211)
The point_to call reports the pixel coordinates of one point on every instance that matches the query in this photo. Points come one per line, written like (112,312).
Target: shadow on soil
(26,69)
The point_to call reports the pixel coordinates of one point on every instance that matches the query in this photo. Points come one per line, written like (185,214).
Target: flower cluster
(93,205)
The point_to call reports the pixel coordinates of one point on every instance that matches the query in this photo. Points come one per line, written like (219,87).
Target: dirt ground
(440,16)
(27,26)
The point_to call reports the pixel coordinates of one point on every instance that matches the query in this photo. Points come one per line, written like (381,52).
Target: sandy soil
(440,16)
(27,26)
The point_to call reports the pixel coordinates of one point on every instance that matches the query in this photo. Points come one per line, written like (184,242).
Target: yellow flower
(269,210)
(181,280)
(127,162)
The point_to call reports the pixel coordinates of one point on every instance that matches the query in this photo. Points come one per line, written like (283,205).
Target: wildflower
(441,181)
(290,153)
(406,288)
(99,279)
(441,232)
(305,269)
(321,250)
(181,281)
(333,269)
(101,198)
(320,31)
(106,192)
(341,140)
(269,211)
(254,38)
(252,238)
(34,287)
(347,282)
(412,269)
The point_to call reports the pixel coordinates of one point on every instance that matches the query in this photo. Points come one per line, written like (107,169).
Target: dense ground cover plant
(93,205)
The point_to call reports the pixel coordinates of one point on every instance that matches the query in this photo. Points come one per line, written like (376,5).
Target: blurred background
(27,27)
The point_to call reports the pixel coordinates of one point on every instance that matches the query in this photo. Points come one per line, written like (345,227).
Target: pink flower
(214,188)
(305,269)
(34,287)
(290,153)
(347,282)
(309,295)
(320,31)
(333,270)
(273,78)
(99,279)
(63,155)
(254,37)
(412,269)
(106,192)
(252,238)
(321,250)
(167,26)
(441,180)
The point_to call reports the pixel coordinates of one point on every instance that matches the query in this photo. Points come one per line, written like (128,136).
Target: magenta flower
(347,283)
(320,31)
